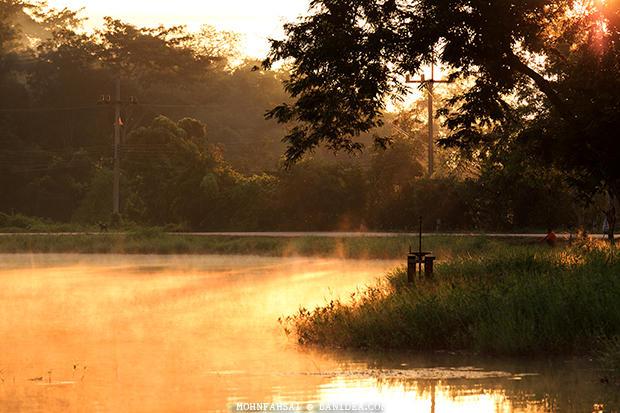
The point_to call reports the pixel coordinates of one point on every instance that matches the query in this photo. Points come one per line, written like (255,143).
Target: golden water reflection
(120,333)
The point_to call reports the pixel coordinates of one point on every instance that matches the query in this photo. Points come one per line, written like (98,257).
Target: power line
(29,160)
(36,110)
(148,105)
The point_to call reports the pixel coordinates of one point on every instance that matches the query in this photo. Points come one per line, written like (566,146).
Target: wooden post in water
(420,257)
(411,263)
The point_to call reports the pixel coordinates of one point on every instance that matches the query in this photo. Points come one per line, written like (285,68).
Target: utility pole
(431,119)
(117,144)
(118,105)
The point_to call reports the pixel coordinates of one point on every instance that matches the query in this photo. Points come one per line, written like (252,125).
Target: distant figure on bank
(551,239)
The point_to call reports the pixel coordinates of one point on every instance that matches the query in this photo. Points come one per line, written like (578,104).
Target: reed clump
(512,301)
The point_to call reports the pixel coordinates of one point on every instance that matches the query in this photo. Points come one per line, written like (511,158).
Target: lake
(172,333)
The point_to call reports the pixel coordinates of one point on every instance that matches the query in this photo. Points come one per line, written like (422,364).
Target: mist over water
(157,333)
(130,333)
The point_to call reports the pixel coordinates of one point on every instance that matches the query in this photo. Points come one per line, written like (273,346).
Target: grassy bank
(510,301)
(157,241)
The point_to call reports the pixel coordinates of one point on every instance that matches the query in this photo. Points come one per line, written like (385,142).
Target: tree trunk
(611,212)
(581,222)
(579,212)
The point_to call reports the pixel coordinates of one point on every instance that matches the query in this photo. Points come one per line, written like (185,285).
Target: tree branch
(545,86)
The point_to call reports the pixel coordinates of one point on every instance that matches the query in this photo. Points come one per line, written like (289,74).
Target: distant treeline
(58,89)
(196,151)
(169,176)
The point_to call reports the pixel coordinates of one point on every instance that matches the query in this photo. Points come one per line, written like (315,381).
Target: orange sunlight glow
(256,20)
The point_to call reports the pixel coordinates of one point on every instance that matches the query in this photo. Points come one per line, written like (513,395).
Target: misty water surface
(113,333)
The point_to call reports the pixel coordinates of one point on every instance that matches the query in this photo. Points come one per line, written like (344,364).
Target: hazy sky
(257,19)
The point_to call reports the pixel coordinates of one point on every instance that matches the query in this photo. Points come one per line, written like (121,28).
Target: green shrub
(145,233)
(18,221)
(4,220)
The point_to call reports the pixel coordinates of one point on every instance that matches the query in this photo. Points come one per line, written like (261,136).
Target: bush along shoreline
(516,301)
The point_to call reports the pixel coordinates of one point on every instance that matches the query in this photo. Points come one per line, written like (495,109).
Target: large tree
(544,76)
(165,165)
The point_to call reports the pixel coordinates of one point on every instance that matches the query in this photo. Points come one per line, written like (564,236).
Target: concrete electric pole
(117,144)
(431,119)
(118,105)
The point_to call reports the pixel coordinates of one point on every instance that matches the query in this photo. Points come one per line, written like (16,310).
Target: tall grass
(513,301)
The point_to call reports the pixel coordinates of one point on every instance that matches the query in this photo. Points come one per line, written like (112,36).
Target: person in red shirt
(551,239)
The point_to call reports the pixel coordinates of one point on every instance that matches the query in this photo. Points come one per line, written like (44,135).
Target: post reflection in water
(114,333)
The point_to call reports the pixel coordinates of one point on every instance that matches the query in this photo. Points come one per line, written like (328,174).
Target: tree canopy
(543,76)
(196,151)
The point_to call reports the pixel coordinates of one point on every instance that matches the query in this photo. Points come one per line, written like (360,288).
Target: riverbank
(518,301)
(156,241)
(495,295)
